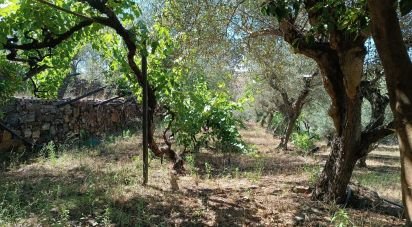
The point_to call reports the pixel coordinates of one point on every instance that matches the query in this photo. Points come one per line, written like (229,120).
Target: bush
(304,140)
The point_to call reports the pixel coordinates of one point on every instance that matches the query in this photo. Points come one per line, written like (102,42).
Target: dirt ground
(101,186)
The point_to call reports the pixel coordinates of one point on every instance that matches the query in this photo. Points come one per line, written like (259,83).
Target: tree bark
(291,121)
(340,59)
(342,81)
(378,103)
(387,35)
(269,121)
(292,109)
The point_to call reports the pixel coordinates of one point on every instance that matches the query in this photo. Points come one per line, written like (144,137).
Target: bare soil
(102,186)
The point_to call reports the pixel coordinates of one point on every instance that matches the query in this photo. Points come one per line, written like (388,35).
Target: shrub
(303,140)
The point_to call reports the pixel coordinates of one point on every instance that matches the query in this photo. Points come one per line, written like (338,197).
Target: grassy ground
(101,186)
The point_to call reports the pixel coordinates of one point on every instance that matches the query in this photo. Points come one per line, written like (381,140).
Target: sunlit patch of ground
(101,186)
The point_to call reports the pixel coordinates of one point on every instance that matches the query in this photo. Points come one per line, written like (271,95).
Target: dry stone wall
(41,121)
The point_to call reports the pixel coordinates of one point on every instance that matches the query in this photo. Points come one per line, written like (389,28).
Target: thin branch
(26,142)
(81,97)
(50,41)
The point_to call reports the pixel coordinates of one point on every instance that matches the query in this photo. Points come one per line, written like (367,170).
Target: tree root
(364,198)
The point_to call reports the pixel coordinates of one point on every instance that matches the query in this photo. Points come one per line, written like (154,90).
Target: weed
(237,173)
(48,152)
(106,220)
(208,169)
(341,218)
(303,141)
(256,174)
(64,215)
(191,164)
(313,172)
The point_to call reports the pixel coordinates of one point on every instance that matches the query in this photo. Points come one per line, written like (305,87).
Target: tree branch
(50,41)
(369,137)
(63,9)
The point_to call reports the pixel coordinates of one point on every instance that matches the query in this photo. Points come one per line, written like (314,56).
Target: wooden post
(145,117)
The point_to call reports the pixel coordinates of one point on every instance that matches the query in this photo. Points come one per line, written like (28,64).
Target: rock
(76,112)
(27,133)
(301,189)
(36,134)
(6,136)
(299,218)
(45,126)
(68,110)
(115,117)
(30,117)
(276,191)
(253,187)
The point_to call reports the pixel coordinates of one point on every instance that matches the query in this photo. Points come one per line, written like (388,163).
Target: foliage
(202,115)
(303,140)
(197,112)
(278,123)
(341,218)
(10,82)
(189,98)
(313,171)
(350,17)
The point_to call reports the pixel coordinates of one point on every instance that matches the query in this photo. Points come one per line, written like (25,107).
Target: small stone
(68,110)
(52,130)
(276,190)
(31,117)
(36,134)
(299,218)
(46,126)
(27,133)
(6,136)
(115,117)
(301,189)
(253,187)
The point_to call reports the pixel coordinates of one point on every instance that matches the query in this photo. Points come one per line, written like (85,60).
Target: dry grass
(102,186)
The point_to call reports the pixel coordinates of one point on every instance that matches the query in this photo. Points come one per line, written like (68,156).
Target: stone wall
(41,121)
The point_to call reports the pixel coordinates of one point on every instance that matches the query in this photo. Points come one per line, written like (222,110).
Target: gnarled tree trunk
(398,71)
(291,121)
(291,109)
(341,78)
(378,103)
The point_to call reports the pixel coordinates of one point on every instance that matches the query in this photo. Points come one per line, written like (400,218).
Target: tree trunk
(166,150)
(341,78)
(398,70)
(263,120)
(288,131)
(338,169)
(145,120)
(270,119)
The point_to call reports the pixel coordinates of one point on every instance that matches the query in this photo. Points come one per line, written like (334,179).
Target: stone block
(68,110)
(36,134)
(6,136)
(27,133)
(30,117)
(52,131)
(45,126)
